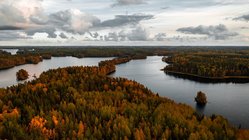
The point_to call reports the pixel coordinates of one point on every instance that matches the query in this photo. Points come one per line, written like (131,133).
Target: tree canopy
(22,75)
(84,103)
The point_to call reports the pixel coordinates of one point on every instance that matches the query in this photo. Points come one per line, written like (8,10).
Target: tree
(22,75)
(201,98)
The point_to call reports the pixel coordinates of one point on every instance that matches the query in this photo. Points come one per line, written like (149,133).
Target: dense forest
(210,64)
(30,56)
(8,61)
(84,103)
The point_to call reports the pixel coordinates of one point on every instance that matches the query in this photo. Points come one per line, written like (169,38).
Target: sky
(124,22)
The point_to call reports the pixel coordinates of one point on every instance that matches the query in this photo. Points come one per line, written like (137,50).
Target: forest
(210,64)
(29,55)
(8,61)
(84,103)
(25,56)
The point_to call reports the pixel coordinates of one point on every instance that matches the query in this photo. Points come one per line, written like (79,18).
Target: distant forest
(34,55)
(26,56)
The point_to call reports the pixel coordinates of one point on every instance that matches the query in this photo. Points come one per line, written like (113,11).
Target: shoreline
(202,79)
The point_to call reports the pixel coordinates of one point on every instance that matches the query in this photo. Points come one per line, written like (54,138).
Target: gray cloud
(121,20)
(243,18)
(94,35)
(218,32)
(122,35)
(38,19)
(244,28)
(113,36)
(29,14)
(73,21)
(138,34)
(77,22)
(10,15)
(32,20)
(8,27)
(47,29)
(11,35)
(128,2)
(135,34)
(160,37)
(13,12)
(63,36)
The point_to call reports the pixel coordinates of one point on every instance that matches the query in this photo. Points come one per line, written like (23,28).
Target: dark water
(228,99)
(8,77)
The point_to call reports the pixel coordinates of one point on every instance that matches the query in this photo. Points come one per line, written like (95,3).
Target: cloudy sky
(124,22)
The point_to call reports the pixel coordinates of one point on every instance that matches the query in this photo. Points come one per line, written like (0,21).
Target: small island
(22,75)
(201,98)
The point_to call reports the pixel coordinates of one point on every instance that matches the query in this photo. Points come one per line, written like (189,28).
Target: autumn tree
(22,75)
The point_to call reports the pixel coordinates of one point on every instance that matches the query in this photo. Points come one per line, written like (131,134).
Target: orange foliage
(39,85)
(106,87)
(38,123)
(81,129)
(128,83)
(13,114)
(55,120)
(119,88)
(243,134)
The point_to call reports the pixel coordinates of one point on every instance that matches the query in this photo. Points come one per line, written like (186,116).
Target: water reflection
(200,109)
(227,99)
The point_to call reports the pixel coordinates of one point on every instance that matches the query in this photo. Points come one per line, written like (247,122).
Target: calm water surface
(8,77)
(228,99)
(12,51)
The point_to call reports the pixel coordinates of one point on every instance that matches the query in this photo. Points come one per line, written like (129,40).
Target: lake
(227,99)
(8,76)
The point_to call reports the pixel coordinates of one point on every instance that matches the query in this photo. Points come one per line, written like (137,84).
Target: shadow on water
(208,80)
(200,109)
